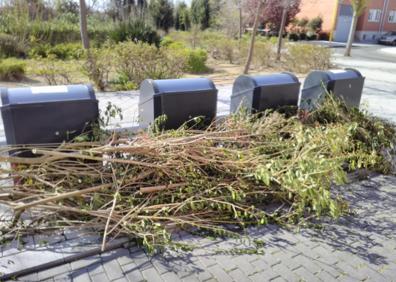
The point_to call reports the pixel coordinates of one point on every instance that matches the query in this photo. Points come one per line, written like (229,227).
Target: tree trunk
(252,41)
(351,34)
(83,24)
(280,36)
(240,21)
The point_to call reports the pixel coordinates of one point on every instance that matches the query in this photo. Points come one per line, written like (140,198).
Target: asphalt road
(378,65)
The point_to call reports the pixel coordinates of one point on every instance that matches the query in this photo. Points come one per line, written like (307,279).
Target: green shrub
(136,31)
(315,24)
(306,57)
(139,61)
(53,31)
(312,36)
(167,41)
(264,54)
(324,36)
(122,83)
(12,69)
(39,51)
(293,36)
(195,59)
(223,49)
(10,46)
(98,66)
(53,71)
(67,51)
(302,36)
(63,51)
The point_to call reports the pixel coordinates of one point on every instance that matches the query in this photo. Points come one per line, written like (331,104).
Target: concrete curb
(119,243)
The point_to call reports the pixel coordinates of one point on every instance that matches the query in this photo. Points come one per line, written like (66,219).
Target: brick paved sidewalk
(356,248)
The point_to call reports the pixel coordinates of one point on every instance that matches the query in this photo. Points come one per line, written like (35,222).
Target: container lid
(150,87)
(182,85)
(247,83)
(274,79)
(32,95)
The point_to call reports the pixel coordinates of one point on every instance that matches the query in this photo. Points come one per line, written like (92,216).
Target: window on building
(392,16)
(374,15)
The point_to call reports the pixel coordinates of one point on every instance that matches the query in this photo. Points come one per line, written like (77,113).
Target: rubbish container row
(54,114)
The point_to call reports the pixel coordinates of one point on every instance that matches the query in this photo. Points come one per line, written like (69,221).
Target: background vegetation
(133,40)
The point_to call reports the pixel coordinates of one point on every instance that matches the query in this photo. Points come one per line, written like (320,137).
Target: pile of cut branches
(245,170)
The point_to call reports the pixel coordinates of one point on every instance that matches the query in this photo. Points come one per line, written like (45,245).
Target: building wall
(371,31)
(387,25)
(365,30)
(364,24)
(323,8)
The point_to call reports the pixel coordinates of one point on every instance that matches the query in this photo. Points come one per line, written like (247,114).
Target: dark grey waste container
(258,93)
(46,115)
(346,84)
(180,100)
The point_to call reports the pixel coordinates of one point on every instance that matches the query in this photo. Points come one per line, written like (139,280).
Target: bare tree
(229,18)
(83,24)
(260,5)
(240,19)
(286,4)
(358,7)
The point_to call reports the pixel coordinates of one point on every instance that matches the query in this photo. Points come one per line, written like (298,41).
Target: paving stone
(190,278)
(95,268)
(291,263)
(151,275)
(100,277)
(29,278)
(204,275)
(11,248)
(55,271)
(93,261)
(207,260)
(112,268)
(305,274)
(219,274)
(44,239)
(142,260)
(80,276)
(132,272)
(238,275)
(266,275)
(333,270)
(48,280)
(161,265)
(279,279)
(244,265)
(226,262)
(260,265)
(285,272)
(325,276)
(123,279)
(351,271)
(28,259)
(122,255)
(347,278)
(306,262)
(374,275)
(170,277)
(183,270)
